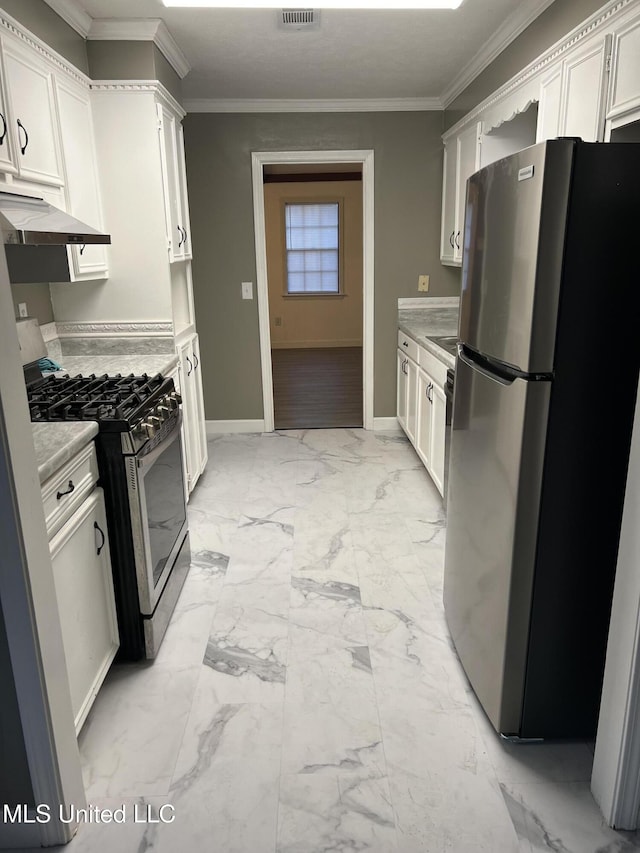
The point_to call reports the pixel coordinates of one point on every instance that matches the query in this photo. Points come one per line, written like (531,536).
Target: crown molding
(139,87)
(508,31)
(72,14)
(141,29)
(318,105)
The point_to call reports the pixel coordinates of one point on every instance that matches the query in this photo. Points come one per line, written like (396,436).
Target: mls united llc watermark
(127,812)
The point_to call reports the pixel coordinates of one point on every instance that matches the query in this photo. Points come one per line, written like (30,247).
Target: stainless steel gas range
(139,449)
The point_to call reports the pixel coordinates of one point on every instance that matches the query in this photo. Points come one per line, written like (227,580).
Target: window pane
(311,233)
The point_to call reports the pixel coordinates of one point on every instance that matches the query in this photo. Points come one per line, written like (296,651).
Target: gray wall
(37,298)
(131,60)
(15,777)
(43,22)
(554,23)
(408,187)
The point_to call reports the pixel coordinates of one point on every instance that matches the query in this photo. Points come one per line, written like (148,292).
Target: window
(312,247)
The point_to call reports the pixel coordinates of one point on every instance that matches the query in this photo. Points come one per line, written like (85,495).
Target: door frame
(268,158)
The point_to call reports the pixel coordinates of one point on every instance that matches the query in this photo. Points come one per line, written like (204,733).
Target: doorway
(362,162)
(313,233)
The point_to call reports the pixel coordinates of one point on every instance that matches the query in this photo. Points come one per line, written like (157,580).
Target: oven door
(158,514)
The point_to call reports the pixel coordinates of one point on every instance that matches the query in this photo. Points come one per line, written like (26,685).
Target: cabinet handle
(181,237)
(458,240)
(82,248)
(70,488)
(23,148)
(184,231)
(405,344)
(4,128)
(196,361)
(190,371)
(451,236)
(97,528)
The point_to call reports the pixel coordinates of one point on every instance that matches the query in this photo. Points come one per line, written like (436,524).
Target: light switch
(247,290)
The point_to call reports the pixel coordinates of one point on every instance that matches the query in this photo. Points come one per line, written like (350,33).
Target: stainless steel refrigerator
(545,384)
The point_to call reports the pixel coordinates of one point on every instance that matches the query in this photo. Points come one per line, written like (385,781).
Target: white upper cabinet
(81,177)
(625,71)
(7,156)
(549,104)
(31,115)
(174,185)
(448,226)
(584,89)
(465,148)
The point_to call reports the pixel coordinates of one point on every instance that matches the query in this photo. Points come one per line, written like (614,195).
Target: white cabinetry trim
(119,330)
(139,87)
(580,33)
(313,105)
(9,24)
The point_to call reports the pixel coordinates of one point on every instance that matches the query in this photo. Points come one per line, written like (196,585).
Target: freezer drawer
(497,450)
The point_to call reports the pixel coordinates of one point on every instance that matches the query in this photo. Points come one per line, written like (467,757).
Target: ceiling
(242,54)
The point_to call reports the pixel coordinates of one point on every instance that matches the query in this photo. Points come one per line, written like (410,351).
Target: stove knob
(154,420)
(175,399)
(148,428)
(163,412)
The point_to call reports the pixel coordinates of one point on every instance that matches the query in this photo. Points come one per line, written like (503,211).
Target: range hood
(36,234)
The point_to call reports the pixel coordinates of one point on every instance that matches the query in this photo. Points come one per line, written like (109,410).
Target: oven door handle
(147,459)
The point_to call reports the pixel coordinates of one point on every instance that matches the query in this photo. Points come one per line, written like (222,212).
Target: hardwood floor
(317,388)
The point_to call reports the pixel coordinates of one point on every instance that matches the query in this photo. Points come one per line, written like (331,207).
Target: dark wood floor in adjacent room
(317,388)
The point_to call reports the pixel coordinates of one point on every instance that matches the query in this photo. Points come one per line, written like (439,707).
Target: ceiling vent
(299,19)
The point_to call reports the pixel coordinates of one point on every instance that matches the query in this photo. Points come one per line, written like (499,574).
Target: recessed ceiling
(243,54)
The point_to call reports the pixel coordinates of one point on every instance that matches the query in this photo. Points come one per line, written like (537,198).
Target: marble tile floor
(307,697)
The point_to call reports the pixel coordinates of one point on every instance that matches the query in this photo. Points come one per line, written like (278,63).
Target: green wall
(131,60)
(408,186)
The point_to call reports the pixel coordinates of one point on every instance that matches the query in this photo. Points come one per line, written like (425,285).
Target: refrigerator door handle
(480,364)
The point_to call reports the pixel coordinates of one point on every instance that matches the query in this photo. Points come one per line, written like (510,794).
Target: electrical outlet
(423,283)
(22,309)
(247,290)
(277,321)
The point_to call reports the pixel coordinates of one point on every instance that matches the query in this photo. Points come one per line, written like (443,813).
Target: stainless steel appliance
(140,465)
(36,235)
(545,384)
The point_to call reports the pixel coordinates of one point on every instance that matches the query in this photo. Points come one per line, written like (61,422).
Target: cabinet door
(438,432)
(187,393)
(584,88)
(625,74)
(468,162)
(423,429)
(84,590)
(35,130)
(401,389)
(199,425)
(412,399)
(185,219)
(449,191)
(549,105)
(170,182)
(81,177)
(7,152)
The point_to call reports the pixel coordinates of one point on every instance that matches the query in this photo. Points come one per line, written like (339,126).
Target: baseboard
(386,424)
(217,427)
(314,344)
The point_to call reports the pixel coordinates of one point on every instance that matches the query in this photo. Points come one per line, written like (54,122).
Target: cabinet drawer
(408,346)
(436,369)
(63,493)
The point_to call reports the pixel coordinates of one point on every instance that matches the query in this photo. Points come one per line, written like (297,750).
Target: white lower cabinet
(84,589)
(194,430)
(422,406)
